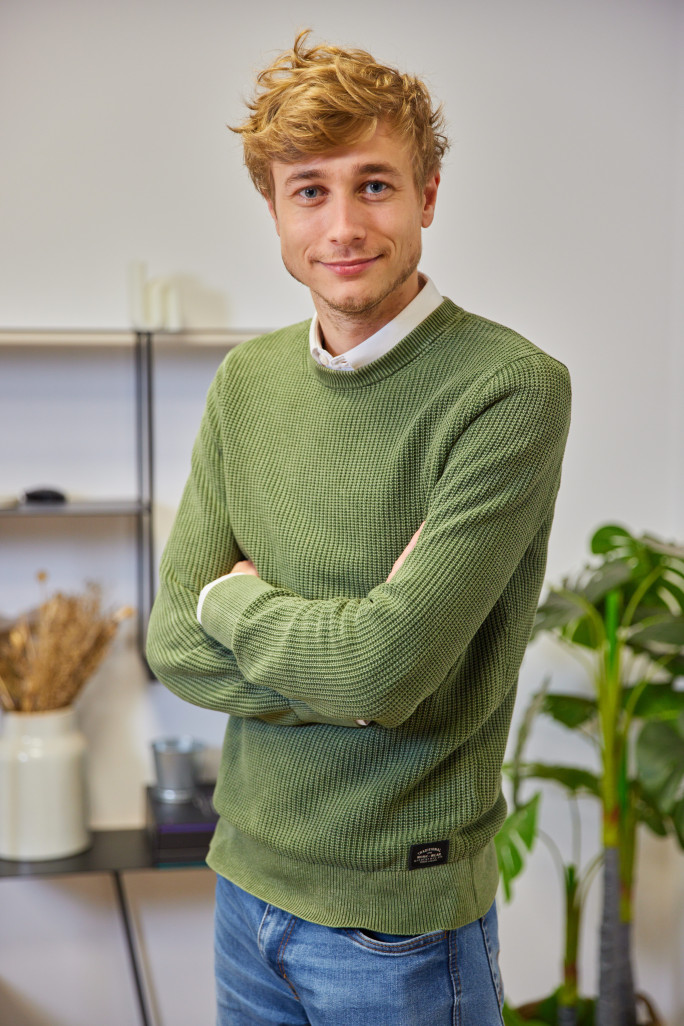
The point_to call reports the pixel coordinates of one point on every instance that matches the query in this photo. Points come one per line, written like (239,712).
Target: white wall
(561,213)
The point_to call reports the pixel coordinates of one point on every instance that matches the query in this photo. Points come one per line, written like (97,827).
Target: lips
(346,268)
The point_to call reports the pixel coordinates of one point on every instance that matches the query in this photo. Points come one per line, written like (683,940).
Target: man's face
(350,221)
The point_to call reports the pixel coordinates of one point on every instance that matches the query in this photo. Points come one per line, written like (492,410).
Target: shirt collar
(427,300)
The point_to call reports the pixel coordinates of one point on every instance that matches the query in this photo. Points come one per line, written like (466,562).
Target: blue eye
(375,188)
(310,192)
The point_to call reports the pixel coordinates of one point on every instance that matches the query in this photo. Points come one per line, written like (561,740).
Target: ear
(430,199)
(272,211)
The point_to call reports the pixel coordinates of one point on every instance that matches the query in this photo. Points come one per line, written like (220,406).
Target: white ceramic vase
(43,808)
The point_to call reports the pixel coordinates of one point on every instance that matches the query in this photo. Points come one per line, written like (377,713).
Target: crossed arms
(264,651)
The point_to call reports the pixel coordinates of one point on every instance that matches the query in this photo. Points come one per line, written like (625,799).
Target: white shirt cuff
(207,588)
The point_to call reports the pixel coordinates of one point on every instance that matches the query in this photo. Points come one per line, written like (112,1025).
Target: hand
(402,557)
(246,566)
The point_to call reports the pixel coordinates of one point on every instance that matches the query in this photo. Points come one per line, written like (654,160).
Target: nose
(345,226)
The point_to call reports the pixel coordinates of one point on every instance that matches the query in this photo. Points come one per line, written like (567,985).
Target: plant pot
(43,809)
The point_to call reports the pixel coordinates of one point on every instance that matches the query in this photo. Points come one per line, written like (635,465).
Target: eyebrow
(311,174)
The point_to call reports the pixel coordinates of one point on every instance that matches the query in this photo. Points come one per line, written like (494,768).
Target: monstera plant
(623,617)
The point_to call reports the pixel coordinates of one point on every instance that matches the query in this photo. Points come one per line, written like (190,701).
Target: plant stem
(639,594)
(588,875)
(610,691)
(568,991)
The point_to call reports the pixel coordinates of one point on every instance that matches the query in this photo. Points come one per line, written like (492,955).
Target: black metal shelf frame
(144,414)
(141,507)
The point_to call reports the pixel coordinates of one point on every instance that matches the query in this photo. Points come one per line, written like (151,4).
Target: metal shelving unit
(141,507)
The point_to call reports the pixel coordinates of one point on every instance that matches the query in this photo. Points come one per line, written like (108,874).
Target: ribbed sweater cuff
(225,602)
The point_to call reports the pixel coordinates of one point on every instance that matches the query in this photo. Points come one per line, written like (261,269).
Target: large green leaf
(646,611)
(678,821)
(646,810)
(660,762)
(673,587)
(606,578)
(675,665)
(557,611)
(668,630)
(514,840)
(672,662)
(672,550)
(571,710)
(573,778)
(581,633)
(610,537)
(657,702)
(643,554)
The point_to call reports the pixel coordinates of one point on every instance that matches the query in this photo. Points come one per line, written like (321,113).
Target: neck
(341,330)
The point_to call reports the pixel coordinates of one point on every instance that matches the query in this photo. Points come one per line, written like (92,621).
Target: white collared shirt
(427,300)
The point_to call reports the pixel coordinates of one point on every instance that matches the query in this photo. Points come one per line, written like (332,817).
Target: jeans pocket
(394,942)
(390,938)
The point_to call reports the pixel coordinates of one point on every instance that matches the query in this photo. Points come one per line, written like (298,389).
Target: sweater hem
(441,897)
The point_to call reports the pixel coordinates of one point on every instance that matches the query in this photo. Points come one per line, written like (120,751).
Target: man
(353,574)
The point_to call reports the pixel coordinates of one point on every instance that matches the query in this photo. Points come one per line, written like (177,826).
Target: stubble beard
(356,308)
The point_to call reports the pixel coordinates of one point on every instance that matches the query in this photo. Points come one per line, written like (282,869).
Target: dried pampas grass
(47,656)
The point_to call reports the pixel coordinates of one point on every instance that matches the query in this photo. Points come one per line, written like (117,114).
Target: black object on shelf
(44,495)
(180,832)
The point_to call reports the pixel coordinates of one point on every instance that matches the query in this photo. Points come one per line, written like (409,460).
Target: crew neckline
(385,338)
(398,356)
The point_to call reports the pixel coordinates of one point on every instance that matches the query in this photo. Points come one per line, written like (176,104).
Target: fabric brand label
(423,855)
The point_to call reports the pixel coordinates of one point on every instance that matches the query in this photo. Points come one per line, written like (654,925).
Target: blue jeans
(274,969)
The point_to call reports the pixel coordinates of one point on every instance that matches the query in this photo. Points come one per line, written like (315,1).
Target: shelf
(58,337)
(121,337)
(111,851)
(143,343)
(90,508)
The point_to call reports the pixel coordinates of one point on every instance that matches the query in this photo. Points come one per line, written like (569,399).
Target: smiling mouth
(345,268)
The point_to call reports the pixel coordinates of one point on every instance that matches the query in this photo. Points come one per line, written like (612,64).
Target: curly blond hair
(316,98)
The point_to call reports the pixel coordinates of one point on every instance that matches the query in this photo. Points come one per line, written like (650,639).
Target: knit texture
(321,478)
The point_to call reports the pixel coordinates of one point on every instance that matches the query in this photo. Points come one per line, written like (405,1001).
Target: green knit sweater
(321,478)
